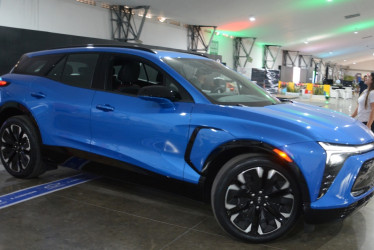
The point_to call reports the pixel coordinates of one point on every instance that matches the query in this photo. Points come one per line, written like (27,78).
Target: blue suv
(263,162)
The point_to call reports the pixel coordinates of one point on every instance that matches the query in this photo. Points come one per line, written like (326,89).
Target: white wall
(64,17)
(74,18)
(163,34)
(363,68)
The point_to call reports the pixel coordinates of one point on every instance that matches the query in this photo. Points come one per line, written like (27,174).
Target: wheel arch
(227,151)
(10,109)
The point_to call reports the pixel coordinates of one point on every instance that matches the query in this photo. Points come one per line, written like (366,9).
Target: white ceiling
(288,23)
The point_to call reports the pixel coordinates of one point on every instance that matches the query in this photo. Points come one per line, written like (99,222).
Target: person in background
(365,108)
(362,85)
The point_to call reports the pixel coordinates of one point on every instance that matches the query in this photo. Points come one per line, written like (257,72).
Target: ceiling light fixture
(162,19)
(252,18)
(306,42)
(356,32)
(354,63)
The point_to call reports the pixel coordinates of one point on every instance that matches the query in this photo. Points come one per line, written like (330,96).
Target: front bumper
(352,188)
(317,216)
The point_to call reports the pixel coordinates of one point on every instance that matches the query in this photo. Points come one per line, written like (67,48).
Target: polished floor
(121,210)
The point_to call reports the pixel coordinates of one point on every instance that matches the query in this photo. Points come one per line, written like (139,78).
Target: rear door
(61,101)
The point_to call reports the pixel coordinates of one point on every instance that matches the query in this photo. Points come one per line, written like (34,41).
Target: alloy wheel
(15,148)
(259,201)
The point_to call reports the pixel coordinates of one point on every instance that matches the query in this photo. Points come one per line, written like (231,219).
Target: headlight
(335,157)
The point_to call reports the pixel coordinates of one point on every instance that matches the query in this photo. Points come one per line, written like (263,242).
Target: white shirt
(363,114)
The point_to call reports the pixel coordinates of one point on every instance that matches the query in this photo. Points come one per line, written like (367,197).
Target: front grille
(365,179)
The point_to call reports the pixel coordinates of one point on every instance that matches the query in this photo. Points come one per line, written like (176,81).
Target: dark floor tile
(370,205)
(211,226)
(356,232)
(53,222)
(197,240)
(9,184)
(140,201)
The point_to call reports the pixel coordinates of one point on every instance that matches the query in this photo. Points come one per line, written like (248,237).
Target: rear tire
(255,199)
(20,148)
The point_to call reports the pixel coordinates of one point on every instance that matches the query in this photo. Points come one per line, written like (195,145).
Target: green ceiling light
(316,3)
(357,26)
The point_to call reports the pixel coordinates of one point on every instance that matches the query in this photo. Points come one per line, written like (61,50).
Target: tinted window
(56,72)
(37,65)
(220,84)
(147,73)
(75,69)
(128,76)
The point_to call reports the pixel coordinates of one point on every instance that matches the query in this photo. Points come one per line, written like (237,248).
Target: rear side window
(37,65)
(75,69)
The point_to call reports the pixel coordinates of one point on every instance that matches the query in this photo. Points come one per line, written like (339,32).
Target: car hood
(309,122)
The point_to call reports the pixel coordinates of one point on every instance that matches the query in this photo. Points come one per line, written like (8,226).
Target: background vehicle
(262,161)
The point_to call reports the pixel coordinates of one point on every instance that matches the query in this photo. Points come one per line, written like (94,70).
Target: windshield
(220,84)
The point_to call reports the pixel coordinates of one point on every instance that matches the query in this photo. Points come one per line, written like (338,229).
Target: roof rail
(130,46)
(148,48)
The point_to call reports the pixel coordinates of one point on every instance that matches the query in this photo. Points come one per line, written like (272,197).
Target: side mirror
(159,94)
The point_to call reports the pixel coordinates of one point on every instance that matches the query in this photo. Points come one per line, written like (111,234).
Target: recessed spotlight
(354,63)
(306,42)
(345,60)
(252,18)
(356,32)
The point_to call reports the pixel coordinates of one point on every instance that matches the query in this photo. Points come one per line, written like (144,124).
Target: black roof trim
(148,48)
(134,46)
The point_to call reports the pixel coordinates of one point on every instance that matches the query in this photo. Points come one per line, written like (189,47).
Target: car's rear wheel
(20,150)
(254,198)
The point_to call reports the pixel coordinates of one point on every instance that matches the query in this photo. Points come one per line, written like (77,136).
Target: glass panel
(220,84)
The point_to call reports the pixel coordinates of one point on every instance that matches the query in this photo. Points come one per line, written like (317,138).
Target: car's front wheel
(254,198)
(20,150)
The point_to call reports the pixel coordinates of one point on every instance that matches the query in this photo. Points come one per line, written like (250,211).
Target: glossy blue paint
(206,141)
(339,194)
(155,133)
(310,158)
(141,132)
(63,114)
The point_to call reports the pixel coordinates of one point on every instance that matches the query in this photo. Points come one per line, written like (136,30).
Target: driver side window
(127,75)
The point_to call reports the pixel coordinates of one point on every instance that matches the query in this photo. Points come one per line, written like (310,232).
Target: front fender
(202,142)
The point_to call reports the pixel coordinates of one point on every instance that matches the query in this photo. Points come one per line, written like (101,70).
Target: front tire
(20,148)
(255,199)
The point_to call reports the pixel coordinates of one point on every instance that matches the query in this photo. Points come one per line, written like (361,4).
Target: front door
(138,130)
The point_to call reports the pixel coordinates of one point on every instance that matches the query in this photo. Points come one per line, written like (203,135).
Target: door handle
(38,95)
(105,107)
